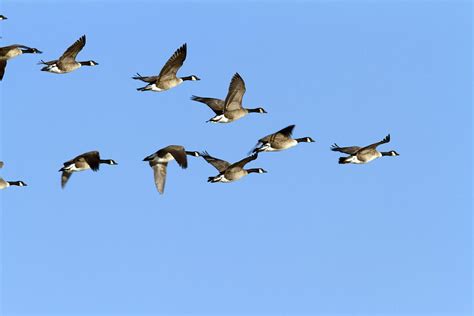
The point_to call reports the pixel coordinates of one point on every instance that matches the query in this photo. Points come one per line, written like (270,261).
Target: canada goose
(230,172)
(280,140)
(361,155)
(88,160)
(2,17)
(12,51)
(159,161)
(167,78)
(5,184)
(231,108)
(67,62)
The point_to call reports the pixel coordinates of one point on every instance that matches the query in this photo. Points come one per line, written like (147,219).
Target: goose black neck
(187,78)
(106,161)
(30,51)
(253,170)
(257,110)
(192,153)
(386,153)
(301,140)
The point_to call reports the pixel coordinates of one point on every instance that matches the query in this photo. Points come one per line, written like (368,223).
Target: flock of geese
(227,110)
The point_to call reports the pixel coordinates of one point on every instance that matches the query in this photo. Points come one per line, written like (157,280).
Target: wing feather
(282,134)
(217,105)
(346,150)
(65,178)
(173,64)
(3,65)
(159,174)
(243,162)
(383,141)
(233,100)
(219,164)
(92,158)
(74,49)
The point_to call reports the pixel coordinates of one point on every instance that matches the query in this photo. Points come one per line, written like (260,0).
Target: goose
(230,172)
(5,184)
(167,78)
(231,108)
(361,155)
(12,51)
(85,161)
(280,140)
(67,62)
(159,161)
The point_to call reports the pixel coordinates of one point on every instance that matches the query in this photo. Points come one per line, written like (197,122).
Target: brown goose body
(280,140)
(5,184)
(167,78)
(85,161)
(230,172)
(67,62)
(232,109)
(158,161)
(363,155)
(12,51)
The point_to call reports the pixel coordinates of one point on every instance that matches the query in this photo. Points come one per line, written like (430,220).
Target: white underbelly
(223,179)
(220,119)
(166,158)
(73,168)
(54,69)
(356,160)
(153,87)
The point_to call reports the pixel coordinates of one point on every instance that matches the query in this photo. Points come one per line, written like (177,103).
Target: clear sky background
(310,237)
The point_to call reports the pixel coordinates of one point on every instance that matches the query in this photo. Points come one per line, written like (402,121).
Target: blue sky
(310,237)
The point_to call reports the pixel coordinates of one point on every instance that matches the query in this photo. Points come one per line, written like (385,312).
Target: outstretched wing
(243,162)
(74,49)
(92,158)
(219,164)
(179,153)
(65,178)
(175,62)
(282,134)
(346,150)
(383,141)
(148,79)
(233,100)
(49,63)
(3,65)
(217,105)
(1,164)
(159,173)
(6,49)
